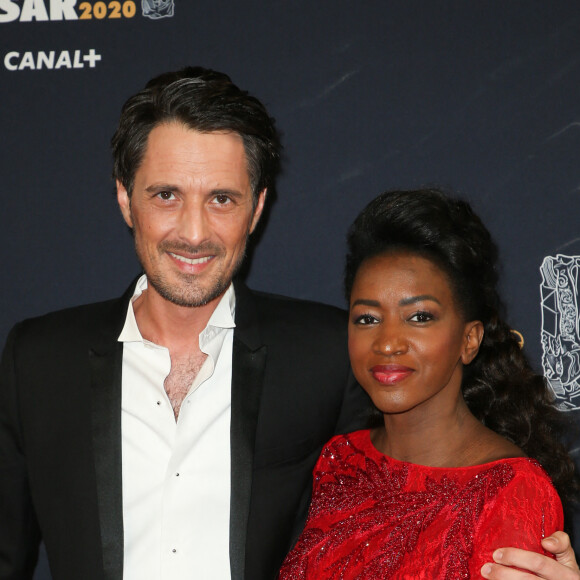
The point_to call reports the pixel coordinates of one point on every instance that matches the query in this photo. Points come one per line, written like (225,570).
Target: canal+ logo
(58,10)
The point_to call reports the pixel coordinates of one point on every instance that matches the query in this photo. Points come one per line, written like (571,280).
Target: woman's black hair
(499,386)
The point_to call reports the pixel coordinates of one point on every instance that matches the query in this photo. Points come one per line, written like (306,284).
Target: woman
(447,476)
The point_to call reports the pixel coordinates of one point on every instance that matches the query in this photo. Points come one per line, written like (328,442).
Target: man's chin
(189,297)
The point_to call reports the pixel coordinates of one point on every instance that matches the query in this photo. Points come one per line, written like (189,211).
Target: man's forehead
(177,149)
(179,135)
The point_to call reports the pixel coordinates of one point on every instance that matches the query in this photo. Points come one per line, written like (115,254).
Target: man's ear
(473,337)
(124,202)
(258,209)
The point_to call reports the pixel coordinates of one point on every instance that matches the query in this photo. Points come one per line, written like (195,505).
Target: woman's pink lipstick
(390,374)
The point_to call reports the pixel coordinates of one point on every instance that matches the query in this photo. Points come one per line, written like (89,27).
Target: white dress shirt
(176,474)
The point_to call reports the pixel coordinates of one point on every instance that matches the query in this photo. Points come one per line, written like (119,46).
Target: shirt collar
(221,318)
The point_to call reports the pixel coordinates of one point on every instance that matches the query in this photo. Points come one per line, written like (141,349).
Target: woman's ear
(473,337)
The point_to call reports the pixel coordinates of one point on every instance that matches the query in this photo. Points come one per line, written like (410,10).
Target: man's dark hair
(203,100)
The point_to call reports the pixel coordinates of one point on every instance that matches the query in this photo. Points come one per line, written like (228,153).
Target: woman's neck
(454,438)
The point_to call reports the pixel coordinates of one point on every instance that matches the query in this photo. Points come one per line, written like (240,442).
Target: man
(172,433)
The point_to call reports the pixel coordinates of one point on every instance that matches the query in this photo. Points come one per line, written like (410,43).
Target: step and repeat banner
(479,97)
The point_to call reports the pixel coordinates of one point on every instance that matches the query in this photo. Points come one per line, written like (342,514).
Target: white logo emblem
(51,60)
(560,328)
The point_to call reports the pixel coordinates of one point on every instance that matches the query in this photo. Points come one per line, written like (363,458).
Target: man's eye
(222,199)
(166,195)
(421,317)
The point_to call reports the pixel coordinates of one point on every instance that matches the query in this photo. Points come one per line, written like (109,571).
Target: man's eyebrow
(420,298)
(161,187)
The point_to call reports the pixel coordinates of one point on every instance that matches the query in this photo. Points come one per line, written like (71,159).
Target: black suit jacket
(60,433)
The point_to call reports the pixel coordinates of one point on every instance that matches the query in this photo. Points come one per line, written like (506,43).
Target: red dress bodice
(375,517)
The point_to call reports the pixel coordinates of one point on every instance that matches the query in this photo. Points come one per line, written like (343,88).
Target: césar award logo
(561,328)
(156,9)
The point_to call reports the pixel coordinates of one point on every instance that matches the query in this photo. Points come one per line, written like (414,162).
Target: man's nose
(193,223)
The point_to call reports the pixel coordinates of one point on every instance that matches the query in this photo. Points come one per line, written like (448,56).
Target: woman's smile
(390,374)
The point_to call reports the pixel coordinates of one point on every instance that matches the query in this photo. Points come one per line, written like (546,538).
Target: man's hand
(538,566)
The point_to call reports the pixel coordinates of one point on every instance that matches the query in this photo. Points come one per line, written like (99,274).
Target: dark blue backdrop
(481,97)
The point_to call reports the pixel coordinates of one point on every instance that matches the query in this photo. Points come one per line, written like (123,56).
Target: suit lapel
(249,361)
(106,425)
(105,361)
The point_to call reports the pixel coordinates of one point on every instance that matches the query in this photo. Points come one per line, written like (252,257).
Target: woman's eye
(365,319)
(421,317)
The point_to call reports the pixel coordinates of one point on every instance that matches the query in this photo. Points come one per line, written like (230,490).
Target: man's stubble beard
(190,295)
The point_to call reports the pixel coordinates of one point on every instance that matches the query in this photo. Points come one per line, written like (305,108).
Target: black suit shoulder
(280,320)
(98,321)
(314,331)
(286,305)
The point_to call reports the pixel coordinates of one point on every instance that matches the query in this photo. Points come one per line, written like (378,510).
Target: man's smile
(192,261)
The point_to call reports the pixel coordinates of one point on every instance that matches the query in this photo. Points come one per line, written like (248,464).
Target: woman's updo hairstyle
(499,386)
(444,230)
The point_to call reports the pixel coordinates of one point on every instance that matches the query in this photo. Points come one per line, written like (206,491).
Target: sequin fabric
(375,517)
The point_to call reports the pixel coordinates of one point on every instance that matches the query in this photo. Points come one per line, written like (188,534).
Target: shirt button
(177,475)
(174,551)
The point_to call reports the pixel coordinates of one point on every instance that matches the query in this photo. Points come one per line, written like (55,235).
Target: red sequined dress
(375,517)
